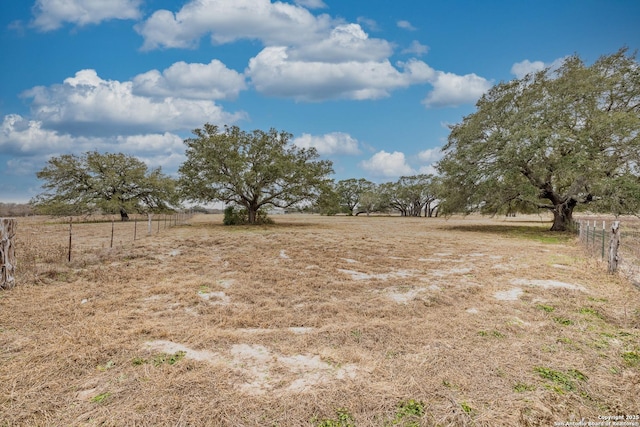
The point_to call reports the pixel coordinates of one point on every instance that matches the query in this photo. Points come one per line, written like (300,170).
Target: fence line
(593,236)
(615,242)
(174,220)
(41,245)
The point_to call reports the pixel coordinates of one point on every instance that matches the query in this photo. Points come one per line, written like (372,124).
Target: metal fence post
(70,224)
(603,232)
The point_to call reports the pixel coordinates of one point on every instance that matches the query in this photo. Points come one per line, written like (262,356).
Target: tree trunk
(252,211)
(563,217)
(7,253)
(123,215)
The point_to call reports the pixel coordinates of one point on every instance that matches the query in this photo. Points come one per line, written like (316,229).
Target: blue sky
(371,84)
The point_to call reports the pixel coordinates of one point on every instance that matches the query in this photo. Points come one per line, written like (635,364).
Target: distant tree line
(15,209)
(416,195)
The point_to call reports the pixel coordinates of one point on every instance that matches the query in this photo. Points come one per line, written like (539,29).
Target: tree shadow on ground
(540,233)
(276,225)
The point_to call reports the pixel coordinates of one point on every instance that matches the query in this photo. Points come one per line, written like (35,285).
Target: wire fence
(615,242)
(41,244)
(37,248)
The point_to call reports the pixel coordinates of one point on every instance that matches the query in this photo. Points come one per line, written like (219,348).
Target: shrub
(234,215)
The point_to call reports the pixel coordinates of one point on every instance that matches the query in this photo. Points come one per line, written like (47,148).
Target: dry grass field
(316,321)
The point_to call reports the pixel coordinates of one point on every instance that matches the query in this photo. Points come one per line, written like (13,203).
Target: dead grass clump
(37,258)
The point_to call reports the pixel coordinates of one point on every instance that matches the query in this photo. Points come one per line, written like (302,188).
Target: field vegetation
(315,321)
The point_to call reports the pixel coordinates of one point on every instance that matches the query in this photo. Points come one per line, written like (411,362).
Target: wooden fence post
(579,226)
(614,244)
(7,253)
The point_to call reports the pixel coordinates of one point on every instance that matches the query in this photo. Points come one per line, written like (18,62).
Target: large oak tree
(553,140)
(110,183)
(250,169)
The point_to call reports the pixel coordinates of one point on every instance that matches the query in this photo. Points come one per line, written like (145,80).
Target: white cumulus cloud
(406,25)
(328,144)
(155,144)
(273,73)
(311,4)
(305,57)
(450,90)
(416,48)
(428,170)
(431,155)
(521,69)
(387,165)
(165,150)
(31,144)
(52,14)
(230,20)
(88,105)
(195,81)
(369,23)
(345,43)
(19,135)
(22,136)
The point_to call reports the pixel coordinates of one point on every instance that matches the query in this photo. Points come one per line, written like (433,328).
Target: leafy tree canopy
(552,140)
(251,169)
(411,194)
(350,191)
(327,202)
(371,200)
(110,183)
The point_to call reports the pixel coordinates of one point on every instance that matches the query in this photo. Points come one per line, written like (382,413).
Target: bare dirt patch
(296,322)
